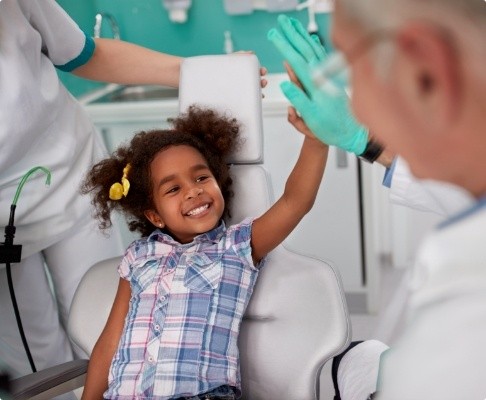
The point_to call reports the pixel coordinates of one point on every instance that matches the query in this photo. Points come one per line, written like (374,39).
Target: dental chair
(297,319)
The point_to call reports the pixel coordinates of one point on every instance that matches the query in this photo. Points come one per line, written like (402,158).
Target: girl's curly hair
(214,135)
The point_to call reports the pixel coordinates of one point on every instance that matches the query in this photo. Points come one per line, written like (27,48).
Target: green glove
(299,49)
(327,115)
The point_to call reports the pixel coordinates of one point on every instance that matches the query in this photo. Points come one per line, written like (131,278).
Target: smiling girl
(184,286)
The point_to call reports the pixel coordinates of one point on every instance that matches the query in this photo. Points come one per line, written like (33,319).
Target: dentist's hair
(214,135)
(389,13)
(463,23)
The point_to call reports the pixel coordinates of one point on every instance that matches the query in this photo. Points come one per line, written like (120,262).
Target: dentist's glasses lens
(332,75)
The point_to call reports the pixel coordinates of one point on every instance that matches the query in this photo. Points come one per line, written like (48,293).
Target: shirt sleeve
(240,237)
(125,267)
(63,42)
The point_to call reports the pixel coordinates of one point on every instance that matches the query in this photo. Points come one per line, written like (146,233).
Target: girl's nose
(193,192)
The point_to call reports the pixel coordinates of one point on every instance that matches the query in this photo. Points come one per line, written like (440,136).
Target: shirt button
(157,327)
(150,359)
(162,298)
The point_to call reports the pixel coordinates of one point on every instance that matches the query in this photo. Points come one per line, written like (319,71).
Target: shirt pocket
(144,276)
(203,274)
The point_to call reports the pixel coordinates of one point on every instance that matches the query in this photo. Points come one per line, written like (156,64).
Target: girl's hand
(298,123)
(292,115)
(263,81)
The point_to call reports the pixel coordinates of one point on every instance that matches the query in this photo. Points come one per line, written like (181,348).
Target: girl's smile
(199,211)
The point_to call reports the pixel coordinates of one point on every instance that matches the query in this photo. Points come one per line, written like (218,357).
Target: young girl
(173,329)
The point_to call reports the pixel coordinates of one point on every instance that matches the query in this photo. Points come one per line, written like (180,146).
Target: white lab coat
(439,313)
(43,125)
(440,354)
(436,197)
(441,351)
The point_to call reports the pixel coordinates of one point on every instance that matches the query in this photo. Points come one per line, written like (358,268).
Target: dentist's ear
(154,218)
(433,64)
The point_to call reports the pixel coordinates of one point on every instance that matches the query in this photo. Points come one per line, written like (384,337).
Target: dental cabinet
(332,231)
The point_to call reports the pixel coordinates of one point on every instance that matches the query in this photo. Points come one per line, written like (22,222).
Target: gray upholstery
(297,318)
(231,84)
(296,321)
(92,304)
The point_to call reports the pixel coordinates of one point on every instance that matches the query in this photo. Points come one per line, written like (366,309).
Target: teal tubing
(27,176)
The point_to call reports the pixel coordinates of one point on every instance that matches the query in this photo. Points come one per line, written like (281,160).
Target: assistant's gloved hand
(327,115)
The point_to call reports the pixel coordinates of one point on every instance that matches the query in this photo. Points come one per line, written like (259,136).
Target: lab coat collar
(475,208)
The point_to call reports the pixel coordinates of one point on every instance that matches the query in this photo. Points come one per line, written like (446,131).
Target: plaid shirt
(188,300)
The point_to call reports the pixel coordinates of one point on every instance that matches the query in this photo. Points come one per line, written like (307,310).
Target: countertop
(139,110)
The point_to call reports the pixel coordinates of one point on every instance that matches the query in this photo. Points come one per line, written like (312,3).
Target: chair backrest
(297,318)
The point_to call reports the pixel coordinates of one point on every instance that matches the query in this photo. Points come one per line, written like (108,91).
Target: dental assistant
(42,124)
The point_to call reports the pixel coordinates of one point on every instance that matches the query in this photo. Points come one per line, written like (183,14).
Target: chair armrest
(50,382)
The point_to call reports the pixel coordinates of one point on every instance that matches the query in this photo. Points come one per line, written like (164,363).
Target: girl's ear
(154,218)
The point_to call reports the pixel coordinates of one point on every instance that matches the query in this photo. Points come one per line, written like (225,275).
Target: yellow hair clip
(117,190)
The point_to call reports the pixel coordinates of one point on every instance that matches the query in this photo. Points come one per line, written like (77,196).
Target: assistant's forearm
(122,62)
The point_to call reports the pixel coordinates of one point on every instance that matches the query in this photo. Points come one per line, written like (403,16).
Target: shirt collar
(213,236)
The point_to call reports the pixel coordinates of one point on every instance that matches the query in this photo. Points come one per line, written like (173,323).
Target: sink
(138,93)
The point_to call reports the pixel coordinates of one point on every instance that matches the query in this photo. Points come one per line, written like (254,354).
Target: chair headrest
(204,80)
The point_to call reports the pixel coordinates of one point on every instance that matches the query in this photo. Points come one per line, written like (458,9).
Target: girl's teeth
(197,210)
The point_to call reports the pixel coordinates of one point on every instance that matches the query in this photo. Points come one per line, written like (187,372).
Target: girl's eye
(202,178)
(172,190)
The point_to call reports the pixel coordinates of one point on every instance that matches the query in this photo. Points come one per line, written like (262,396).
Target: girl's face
(187,198)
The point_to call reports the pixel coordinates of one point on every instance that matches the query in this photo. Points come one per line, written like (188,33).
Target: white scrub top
(41,123)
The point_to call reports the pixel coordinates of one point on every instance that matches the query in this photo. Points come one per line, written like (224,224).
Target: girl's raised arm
(300,192)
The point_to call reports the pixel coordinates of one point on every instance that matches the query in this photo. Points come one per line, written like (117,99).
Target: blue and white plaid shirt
(188,300)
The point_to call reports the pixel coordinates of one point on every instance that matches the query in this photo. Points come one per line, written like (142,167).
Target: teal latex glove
(327,115)
(300,49)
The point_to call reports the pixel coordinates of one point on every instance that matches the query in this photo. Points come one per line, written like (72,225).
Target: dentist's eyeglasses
(332,75)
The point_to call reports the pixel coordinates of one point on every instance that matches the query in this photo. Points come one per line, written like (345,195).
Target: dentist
(418,85)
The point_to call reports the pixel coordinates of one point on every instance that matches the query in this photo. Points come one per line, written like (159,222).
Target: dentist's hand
(327,115)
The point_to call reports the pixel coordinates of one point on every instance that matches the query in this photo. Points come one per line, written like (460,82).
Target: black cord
(12,253)
(17,317)
(9,236)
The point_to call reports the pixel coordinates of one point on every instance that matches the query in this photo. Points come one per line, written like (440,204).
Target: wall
(145,22)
